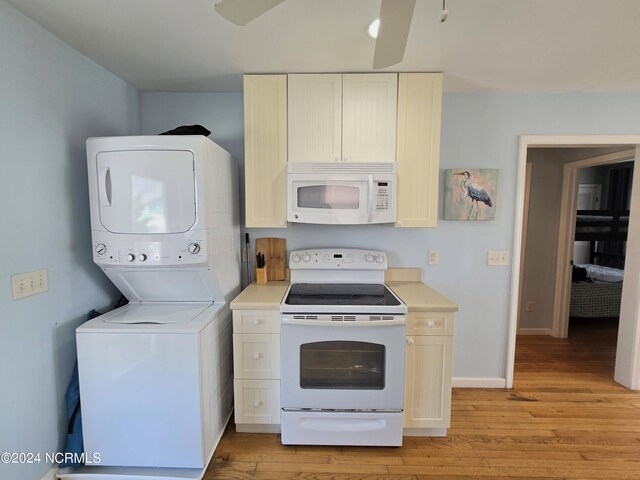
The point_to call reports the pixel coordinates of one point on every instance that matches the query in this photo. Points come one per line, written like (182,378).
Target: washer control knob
(193,248)
(101,249)
(368,257)
(306,258)
(379,258)
(131,257)
(142,257)
(295,258)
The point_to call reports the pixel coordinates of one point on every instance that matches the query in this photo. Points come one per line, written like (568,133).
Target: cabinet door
(418,154)
(265,150)
(257,401)
(427,383)
(369,104)
(315,117)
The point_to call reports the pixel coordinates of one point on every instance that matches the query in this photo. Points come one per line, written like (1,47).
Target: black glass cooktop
(340,294)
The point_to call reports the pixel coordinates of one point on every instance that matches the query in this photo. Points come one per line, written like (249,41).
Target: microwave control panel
(383,202)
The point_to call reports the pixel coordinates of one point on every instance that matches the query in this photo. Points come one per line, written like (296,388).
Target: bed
(598,296)
(606,232)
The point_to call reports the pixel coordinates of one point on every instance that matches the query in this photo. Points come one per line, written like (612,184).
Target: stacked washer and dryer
(156,379)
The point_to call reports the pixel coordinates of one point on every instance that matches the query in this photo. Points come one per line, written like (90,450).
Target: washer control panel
(131,252)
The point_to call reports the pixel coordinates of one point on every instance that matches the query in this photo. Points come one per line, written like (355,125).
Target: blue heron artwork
(470,193)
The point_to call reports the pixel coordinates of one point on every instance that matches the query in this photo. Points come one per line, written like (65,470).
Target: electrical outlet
(500,257)
(433,257)
(529,306)
(27,284)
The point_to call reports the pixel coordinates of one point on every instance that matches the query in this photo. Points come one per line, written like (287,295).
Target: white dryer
(156,375)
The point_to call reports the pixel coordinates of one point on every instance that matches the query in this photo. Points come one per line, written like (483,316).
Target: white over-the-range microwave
(341,193)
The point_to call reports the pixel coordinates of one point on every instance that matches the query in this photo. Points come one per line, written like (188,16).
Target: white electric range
(342,350)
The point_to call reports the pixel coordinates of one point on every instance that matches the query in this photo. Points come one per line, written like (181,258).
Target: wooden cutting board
(275,256)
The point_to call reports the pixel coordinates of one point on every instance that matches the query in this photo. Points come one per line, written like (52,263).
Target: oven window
(334,197)
(342,365)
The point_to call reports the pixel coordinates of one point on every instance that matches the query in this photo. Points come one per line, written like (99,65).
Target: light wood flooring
(565,419)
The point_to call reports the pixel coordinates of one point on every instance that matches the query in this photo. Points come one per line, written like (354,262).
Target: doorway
(627,357)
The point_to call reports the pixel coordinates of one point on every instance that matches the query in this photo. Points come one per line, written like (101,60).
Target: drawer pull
(257,321)
(431,324)
(410,341)
(257,356)
(257,403)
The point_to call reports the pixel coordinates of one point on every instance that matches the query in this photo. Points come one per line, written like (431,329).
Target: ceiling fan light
(372,30)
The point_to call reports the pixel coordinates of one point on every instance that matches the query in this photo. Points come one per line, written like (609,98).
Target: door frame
(628,350)
(566,233)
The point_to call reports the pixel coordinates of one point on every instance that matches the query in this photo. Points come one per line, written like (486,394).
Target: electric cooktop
(340,294)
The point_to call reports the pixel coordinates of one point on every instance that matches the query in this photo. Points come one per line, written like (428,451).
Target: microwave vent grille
(341,168)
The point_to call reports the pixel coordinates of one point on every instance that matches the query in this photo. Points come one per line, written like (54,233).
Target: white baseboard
(478,382)
(51,474)
(534,331)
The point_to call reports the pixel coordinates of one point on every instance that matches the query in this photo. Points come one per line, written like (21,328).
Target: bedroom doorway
(627,369)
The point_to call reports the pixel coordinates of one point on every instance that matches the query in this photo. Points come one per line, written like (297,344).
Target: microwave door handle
(104,186)
(371,199)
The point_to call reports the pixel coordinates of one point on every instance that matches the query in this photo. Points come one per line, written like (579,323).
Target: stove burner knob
(193,248)
(368,257)
(131,257)
(379,258)
(295,258)
(142,257)
(101,249)
(306,258)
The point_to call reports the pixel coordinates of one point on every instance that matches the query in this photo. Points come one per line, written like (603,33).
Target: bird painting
(470,194)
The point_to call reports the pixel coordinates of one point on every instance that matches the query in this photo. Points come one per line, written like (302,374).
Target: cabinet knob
(410,341)
(400,222)
(337,159)
(257,321)
(431,324)
(257,356)
(345,159)
(257,403)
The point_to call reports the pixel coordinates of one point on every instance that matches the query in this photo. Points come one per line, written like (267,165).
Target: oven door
(342,365)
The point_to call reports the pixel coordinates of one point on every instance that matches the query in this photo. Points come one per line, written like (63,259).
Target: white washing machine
(156,378)
(154,383)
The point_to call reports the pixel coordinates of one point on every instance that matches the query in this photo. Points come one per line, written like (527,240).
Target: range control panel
(337,258)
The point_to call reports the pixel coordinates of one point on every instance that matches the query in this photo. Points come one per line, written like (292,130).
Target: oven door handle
(345,324)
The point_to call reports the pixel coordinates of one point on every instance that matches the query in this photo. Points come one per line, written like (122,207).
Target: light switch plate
(27,284)
(498,257)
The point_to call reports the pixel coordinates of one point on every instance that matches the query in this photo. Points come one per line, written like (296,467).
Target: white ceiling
(485,45)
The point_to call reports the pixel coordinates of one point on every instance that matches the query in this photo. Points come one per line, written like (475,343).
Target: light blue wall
(478,130)
(51,99)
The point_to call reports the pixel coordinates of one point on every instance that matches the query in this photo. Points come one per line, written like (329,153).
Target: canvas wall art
(470,193)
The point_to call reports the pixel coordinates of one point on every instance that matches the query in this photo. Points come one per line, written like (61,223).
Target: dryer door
(146,191)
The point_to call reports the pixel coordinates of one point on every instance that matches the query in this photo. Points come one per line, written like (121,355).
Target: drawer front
(256,321)
(430,323)
(256,356)
(257,401)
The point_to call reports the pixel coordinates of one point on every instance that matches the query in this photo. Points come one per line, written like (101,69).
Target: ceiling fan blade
(242,12)
(395,20)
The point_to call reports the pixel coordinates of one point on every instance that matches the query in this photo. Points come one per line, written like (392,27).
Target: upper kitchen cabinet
(342,117)
(265,150)
(315,118)
(418,149)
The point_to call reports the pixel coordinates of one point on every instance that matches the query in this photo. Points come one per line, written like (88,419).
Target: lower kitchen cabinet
(428,367)
(256,367)
(257,405)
